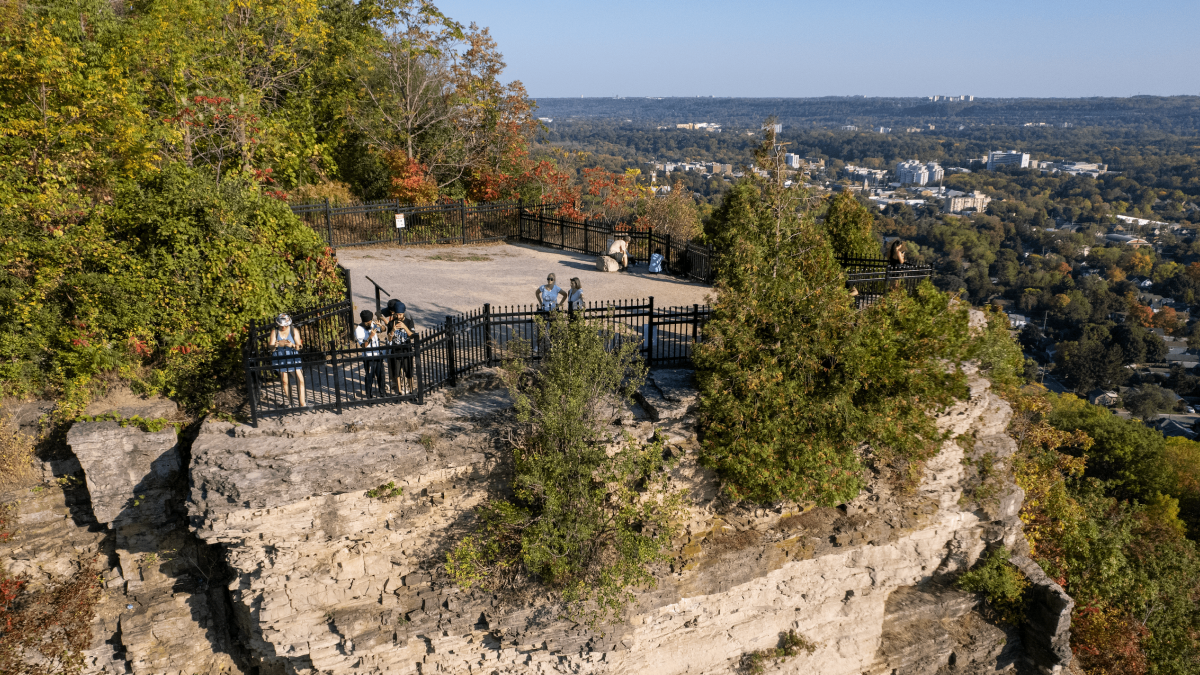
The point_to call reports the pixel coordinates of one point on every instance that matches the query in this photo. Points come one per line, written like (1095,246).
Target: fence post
(541,234)
(462,220)
(250,389)
(695,326)
(451,366)
(328,222)
(337,379)
(667,256)
(487,332)
(418,349)
(587,239)
(520,217)
(650,335)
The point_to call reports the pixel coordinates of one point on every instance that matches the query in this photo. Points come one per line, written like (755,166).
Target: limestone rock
(128,472)
(607,264)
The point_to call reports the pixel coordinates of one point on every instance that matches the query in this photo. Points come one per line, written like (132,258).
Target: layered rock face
(333,574)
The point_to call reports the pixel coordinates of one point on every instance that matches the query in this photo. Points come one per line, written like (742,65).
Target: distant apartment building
(914,172)
(870,177)
(883,130)
(960,202)
(849,127)
(718,169)
(1011,158)
(778,128)
(1091,169)
(793,161)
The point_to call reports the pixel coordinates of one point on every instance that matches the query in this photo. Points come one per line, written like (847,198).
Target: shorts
(285,360)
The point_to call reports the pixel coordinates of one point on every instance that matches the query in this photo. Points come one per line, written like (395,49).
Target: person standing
(401,330)
(895,255)
(366,334)
(619,251)
(575,296)
(548,295)
(285,346)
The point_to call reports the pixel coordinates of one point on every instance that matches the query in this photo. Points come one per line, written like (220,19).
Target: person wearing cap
(401,329)
(366,334)
(285,344)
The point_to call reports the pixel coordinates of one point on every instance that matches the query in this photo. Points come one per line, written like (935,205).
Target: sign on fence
(399,221)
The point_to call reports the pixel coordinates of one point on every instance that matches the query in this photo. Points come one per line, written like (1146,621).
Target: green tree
(793,379)
(585,522)
(849,228)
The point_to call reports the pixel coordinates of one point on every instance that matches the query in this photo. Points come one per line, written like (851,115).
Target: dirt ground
(435,282)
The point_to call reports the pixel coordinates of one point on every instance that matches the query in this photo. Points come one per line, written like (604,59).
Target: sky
(999,48)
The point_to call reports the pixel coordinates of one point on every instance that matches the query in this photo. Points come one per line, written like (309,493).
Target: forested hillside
(148,151)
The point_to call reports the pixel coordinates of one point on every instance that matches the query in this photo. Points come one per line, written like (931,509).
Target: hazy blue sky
(869,47)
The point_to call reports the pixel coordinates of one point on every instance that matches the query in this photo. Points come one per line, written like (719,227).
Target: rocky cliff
(284,562)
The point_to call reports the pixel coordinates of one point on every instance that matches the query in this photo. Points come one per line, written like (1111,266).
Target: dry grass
(16,455)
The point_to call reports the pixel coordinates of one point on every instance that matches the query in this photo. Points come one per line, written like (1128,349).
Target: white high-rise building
(1010,158)
(792,160)
(913,172)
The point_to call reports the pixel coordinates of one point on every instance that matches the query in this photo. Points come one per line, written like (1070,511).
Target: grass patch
(459,257)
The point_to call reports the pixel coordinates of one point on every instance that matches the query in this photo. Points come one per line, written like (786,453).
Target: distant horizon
(778,49)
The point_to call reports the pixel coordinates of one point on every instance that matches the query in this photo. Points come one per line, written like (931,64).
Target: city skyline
(1017,49)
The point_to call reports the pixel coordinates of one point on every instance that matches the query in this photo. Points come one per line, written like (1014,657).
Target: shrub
(1001,583)
(167,275)
(791,644)
(587,522)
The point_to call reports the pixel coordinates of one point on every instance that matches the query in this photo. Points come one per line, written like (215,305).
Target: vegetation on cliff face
(1101,515)
(583,520)
(793,378)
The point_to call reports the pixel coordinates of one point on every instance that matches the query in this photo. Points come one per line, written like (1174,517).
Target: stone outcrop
(329,579)
(264,550)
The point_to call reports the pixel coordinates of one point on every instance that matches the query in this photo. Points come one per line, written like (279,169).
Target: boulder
(607,264)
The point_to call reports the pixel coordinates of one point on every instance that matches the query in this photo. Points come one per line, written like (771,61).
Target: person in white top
(575,297)
(548,296)
(366,334)
(656,261)
(619,251)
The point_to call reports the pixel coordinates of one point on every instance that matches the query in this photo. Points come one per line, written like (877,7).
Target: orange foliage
(1141,315)
(411,182)
(1109,641)
(1193,271)
(1168,320)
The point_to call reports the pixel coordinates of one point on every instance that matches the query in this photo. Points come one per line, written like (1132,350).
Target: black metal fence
(390,222)
(336,373)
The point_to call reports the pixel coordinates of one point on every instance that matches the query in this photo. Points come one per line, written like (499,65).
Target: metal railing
(338,374)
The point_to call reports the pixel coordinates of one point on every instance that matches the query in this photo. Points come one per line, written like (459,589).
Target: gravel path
(434,282)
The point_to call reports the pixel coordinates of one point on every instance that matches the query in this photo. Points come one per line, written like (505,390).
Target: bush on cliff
(793,378)
(584,518)
(166,275)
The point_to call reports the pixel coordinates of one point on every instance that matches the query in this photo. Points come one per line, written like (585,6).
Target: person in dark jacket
(401,330)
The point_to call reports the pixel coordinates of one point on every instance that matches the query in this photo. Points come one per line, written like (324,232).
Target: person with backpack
(285,344)
(366,334)
(401,330)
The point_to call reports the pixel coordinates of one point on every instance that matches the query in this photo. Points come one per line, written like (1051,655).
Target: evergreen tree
(793,378)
